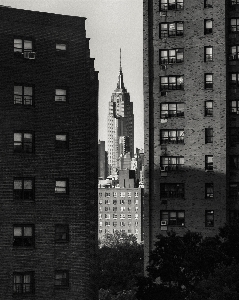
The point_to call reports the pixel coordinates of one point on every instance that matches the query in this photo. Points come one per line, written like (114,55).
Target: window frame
(30,239)
(168,33)
(66,190)
(208,30)
(178,113)
(21,283)
(233,28)
(23,100)
(172,190)
(171,59)
(208,213)
(61,233)
(173,221)
(64,96)
(61,272)
(169,139)
(175,83)
(208,135)
(61,52)
(234,162)
(234,109)
(234,135)
(23,49)
(209,190)
(208,57)
(176,5)
(62,145)
(169,166)
(22,148)
(20,194)
(208,163)
(208,84)
(207,4)
(234,83)
(208,110)
(233,53)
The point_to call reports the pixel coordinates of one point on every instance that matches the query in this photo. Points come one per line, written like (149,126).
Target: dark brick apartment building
(48,157)
(191,86)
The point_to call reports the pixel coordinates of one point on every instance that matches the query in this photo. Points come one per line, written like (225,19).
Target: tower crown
(120,84)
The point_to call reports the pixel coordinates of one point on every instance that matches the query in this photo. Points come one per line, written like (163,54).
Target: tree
(120,261)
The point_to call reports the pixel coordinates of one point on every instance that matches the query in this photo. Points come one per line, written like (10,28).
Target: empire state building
(120,126)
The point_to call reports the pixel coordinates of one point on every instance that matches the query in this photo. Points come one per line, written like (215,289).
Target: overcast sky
(110,25)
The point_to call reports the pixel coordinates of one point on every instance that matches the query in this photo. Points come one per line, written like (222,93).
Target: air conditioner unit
(163,223)
(163,93)
(29,55)
(163,67)
(163,14)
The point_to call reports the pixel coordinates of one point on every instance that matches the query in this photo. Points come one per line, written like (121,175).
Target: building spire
(120,84)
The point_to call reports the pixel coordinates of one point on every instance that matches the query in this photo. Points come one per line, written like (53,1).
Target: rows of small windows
(122,208)
(26,48)
(136,231)
(176,190)
(129,201)
(165,5)
(121,216)
(115,224)
(24,94)
(121,194)
(176,163)
(24,188)
(24,282)
(177,218)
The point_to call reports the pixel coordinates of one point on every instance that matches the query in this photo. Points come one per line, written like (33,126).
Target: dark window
(209,108)
(234,162)
(234,2)
(23,94)
(23,282)
(61,233)
(172,190)
(171,83)
(61,186)
(209,162)
(208,53)
(209,190)
(61,278)
(171,56)
(207,26)
(208,3)
(209,218)
(171,5)
(24,48)
(234,25)
(23,142)
(61,141)
(234,80)
(208,135)
(173,218)
(208,81)
(234,190)
(171,163)
(234,216)
(234,107)
(170,136)
(23,188)
(170,110)
(60,95)
(23,235)
(234,53)
(171,29)
(234,135)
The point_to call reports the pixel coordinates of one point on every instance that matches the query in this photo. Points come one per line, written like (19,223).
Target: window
(129,216)
(100,201)
(208,135)
(208,3)
(101,224)
(23,95)
(61,48)
(114,208)
(129,209)
(122,202)
(100,194)
(61,233)
(207,26)
(171,56)
(234,135)
(136,194)
(209,108)
(234,25)
(129,202)
(173,218)
(208,81)
(171,83)
(61,141)
(234,162)
(234,2)
(234,80)
(114,224)
(23,282)
(171,136)
(60,95)
(23,235)
(209,190)
(122,224)
(107,194)
(107,201)
(23,142)
(114,194)
(24,47)
(136,201)
(234,106)
(122,216)
(234,53)
(136,223)
(115,202)
(136,208)
(234,190)
(171,110)
(61,186)
(171,29)
(234,216)
(208,54)
(209,218)
(129,194)
(114,216)
(172,190)
(209,162)
(122,194)
(107,224)
(171,163)
(136,216)
(23,188)
(171,5)
(100,215)
(122,208)
(61,278)
(107,216)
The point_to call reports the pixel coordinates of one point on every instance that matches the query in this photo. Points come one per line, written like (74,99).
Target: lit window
(234,80)
(107,224)
(107,216)
(24,48)
(136,216)
(209,190)
(208,3)
(100,215)
(173,218)
(209,81)
(61,233)
(23,95)
(209,162)
(171,136)
(171,29)
(61,141)
(61,278)
(122,194)
(209,108)
(61,186)
(171,56)
(171,83)
(171,5)
(61,48)
(234,25)
(209,218)
(208,54)
(23,235)
(122,201)
(234,106)
(208,135)
(122,216)
(122,208)
(170,110)
(23,142)
(23,189)
(23,282)
(60,95)
(207,26)
(234,53)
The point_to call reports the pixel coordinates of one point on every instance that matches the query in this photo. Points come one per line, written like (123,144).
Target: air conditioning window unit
(163,67)
(163,223)
(163,14)
(29,55)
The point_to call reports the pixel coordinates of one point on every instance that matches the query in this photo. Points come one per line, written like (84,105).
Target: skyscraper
(48,157)
(120,125)
(191,85)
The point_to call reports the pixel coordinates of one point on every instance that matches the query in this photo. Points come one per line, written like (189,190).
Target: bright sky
(111,25)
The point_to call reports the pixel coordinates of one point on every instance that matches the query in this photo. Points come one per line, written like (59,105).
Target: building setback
(48,116)
(191,116)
